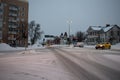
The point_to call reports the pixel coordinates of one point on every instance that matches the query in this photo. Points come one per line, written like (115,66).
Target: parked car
(105,45)
(79,44)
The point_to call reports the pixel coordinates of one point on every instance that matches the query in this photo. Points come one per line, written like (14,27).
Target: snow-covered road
(91,64)
(64,63)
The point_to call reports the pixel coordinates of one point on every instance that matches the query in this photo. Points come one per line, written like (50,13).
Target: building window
(23,8)
(118,33)
(1,10)
(22,14)
(0,24)
(0,28)
(23,25)
(1,5)
(112,33)
(0,35)
(22,19)
(18,19)
(5,4)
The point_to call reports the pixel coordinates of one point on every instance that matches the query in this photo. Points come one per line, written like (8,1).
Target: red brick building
(14,22)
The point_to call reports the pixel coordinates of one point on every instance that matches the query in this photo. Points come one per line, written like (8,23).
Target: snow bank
(6,47)
(89,46)
(34,46)
(117,46)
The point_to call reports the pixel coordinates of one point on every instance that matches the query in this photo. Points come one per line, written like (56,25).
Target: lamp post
(69,23)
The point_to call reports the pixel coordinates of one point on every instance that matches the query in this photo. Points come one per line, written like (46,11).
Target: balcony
(12,26)
(1,7)
(12,20)
(1,11)
(11,38)
(12,32)
(13,8)
(13,14)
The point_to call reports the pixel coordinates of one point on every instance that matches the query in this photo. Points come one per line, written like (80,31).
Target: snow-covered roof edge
(98,28)
(106,29)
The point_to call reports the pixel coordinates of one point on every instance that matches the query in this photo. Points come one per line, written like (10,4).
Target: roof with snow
(91,28)
(96,28)
(107,28)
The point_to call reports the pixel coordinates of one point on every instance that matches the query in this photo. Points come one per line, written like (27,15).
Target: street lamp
(69,23)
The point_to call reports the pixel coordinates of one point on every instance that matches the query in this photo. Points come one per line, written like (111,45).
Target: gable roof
(96,28)
(104,28)
(111,27)
(93,28)
(107,28)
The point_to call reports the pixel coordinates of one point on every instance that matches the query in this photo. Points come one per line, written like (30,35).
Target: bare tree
(34,32)
(80,36)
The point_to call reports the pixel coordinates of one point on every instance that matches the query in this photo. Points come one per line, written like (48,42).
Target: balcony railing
(12,26)
(92,36)
(1,7)
(11,38)
(12,32)
(12,20)
(13,14)
(13,8)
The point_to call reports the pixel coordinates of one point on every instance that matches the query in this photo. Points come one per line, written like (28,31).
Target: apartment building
(14,22)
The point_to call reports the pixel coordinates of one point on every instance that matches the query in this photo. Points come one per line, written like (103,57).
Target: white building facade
(96,34)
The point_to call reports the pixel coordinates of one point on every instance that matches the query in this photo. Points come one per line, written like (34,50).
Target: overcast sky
(53,14)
